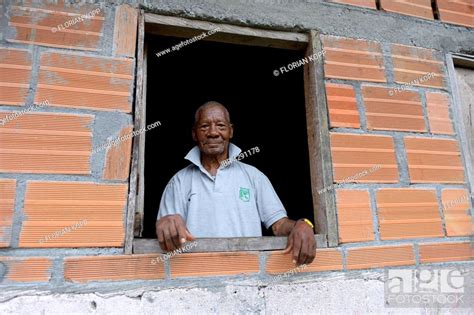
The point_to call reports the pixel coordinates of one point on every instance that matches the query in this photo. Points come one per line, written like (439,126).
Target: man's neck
(212,163)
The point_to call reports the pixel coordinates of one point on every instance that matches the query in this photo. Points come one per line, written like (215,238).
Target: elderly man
(209,198)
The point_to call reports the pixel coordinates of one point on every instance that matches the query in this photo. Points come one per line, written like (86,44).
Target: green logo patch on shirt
(244,194)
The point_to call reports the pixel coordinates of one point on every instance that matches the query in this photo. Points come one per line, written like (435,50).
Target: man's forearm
(283,227)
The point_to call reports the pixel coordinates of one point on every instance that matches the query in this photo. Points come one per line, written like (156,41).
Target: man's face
(212,131)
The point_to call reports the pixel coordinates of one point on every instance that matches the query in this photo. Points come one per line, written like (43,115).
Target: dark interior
(267,111)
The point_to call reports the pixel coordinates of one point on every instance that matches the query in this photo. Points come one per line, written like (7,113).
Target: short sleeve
(173,200)
(269,205)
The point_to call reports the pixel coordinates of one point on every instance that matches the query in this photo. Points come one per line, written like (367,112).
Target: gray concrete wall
(356,292)
(329,18)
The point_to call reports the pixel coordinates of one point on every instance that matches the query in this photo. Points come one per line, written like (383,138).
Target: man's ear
(231,131)
(193,132)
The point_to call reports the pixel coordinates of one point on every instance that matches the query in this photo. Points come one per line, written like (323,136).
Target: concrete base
(329,293)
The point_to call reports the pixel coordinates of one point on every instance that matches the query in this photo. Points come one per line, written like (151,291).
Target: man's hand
(172,232)
(301,242)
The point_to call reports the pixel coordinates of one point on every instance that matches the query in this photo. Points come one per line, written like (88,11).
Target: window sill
(233,244)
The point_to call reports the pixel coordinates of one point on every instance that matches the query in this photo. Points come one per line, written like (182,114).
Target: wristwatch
(308,222)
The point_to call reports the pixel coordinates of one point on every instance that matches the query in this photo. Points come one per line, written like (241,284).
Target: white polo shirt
(230,205)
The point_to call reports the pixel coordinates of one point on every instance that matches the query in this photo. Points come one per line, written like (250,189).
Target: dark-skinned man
(209,198)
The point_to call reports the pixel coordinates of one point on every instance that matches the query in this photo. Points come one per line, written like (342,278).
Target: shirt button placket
(215,183)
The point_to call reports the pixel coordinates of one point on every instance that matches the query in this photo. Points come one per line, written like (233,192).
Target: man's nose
(213,131)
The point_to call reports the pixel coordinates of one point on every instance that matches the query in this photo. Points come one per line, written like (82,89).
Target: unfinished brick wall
(459,12)
(51,178)
(419,189)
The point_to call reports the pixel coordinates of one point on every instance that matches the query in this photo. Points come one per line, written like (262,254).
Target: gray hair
(211,104)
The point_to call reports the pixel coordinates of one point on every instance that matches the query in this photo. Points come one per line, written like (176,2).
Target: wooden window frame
(462,61)
(324,205)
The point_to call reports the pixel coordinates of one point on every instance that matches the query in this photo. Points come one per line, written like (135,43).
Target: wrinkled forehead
(212,113)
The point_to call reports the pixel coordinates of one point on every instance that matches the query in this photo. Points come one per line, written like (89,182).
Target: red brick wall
(456,12)
(49,55)
(408,133)
(459,12)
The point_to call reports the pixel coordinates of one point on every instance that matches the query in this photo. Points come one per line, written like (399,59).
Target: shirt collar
(194,156)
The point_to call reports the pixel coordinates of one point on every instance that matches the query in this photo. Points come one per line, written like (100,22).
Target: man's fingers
(189,236)
(168,241)
(182,232)
(289,245)
(309,253)
(288,249)
(171,232)
(174,235)
(303,254)
(296,251)
(161,239)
